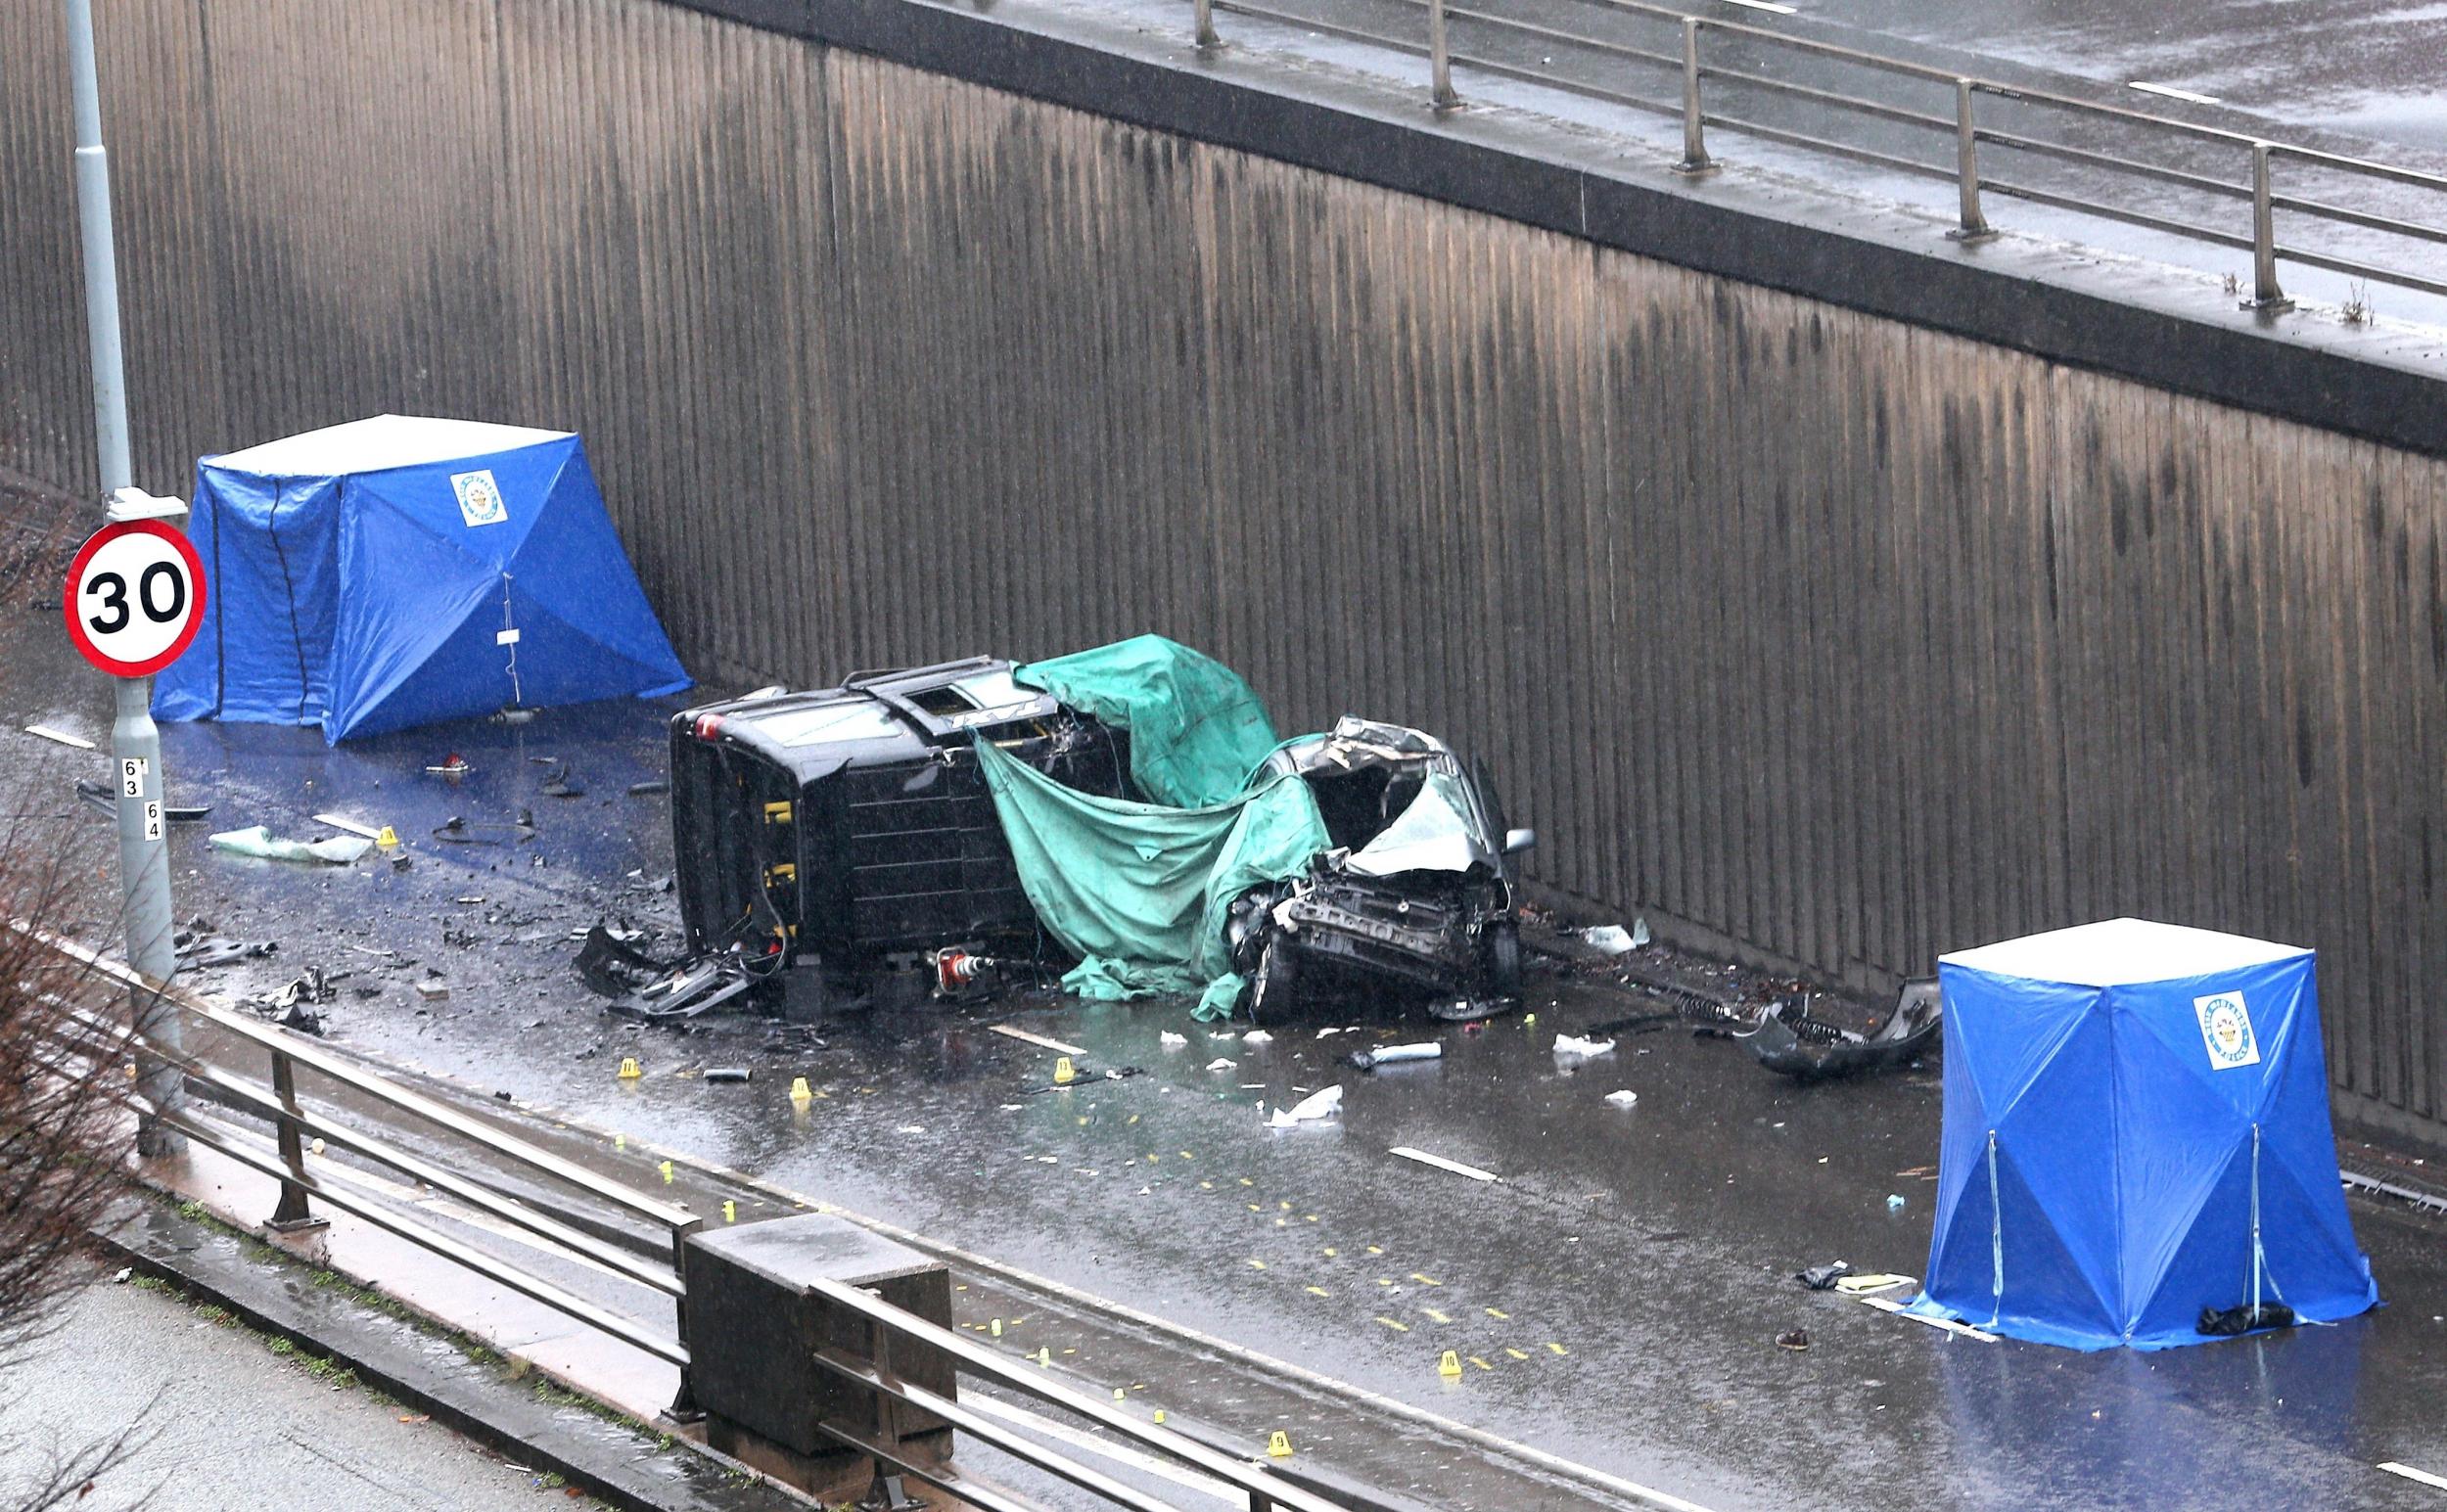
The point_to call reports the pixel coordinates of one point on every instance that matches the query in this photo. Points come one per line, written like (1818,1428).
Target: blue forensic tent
(400,570)
(2136,1130)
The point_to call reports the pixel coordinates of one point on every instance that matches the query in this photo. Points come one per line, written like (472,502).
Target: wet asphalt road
(1623,1283)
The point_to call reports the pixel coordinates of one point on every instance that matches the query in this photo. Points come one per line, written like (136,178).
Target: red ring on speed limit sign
(102,605)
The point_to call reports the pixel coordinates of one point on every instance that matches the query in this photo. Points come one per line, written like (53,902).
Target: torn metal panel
(1808,1049)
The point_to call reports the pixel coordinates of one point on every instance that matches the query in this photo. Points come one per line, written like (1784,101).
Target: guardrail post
(1439,92)
(684,1407)
(1974,227)
(293,1214)
(1208,41)
(2265,295)
(1694,143)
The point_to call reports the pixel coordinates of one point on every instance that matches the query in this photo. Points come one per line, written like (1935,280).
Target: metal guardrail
(1692,69)
(283,1158)
(1265,1490)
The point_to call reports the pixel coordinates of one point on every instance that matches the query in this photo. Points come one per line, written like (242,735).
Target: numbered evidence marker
(134,602)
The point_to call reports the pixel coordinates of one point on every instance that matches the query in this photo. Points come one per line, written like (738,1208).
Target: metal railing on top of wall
(1692,69)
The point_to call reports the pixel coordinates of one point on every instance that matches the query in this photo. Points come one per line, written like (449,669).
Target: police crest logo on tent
(480,498)
(2225,1027)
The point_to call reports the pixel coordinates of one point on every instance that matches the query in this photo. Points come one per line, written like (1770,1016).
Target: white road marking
(2171,92)
(2411,1474)
(1034,1423)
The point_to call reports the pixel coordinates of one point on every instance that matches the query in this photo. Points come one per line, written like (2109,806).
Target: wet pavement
(1617,1291)
(2352,77)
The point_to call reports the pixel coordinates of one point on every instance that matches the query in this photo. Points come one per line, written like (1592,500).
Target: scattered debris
(103,796)
(1257,1036)
(728,1073)
(352,826)
(1317,1105)
(1612,938)
(1170,1040)
(1790,1041)
(1571,1046)
(198,946)
(1220,1063)
(1823,1278)
(561,782)
(1961,1330)
(1442,1164)
(645,988)
(1794,1338)
(462,831)
(1039,1040)
(454,766)
(1894,1203)
(2228,1322)
(1855,1285)
(1623,1099)
(2429,1200)
(292,1004)
(644,788)
(46,732)
(259,841)
(432,986)
(1394,1055)
(1634,1024)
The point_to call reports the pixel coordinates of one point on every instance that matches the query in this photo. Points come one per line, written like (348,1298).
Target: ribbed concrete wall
(1815,631)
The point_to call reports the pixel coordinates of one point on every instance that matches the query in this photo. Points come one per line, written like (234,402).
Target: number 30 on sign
(135,597)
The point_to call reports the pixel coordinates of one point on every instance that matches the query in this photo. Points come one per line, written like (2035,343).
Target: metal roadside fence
(2258,158)
(283,1157)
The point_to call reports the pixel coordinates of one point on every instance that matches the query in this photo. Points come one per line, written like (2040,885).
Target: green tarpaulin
(1138,890)
(1196,729)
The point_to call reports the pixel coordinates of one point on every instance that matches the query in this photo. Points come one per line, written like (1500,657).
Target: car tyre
(1503,960)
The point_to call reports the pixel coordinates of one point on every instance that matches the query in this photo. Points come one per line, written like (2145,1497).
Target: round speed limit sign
(135,597)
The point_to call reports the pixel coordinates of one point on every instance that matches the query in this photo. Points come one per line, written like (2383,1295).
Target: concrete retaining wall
(1812,631)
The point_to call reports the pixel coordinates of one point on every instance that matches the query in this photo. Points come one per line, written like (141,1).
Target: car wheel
(1503,960)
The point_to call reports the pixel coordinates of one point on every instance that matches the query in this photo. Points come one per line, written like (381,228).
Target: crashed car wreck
(859,842)
(1417,890)
(830,841)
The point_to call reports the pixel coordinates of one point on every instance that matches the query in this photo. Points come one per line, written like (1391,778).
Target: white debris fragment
(1319,1105)
(1612,938)
(1220,1063)
(1170,1040)
(1624,1099)
(1257,1036)
(1573,1046)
